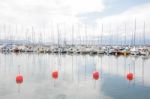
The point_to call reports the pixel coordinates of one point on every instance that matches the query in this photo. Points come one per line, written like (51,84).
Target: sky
(47,15)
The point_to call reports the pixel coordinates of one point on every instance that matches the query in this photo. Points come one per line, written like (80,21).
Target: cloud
(43,15)
(139,13)
(43,11)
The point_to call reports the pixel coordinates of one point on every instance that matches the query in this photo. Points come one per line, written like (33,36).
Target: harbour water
(75,80)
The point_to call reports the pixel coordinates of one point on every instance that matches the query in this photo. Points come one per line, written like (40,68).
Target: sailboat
(134,50)
(124,50)
(143,50)
(101,50)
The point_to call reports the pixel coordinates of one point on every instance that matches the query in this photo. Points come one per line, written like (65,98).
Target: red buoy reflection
(19,79)
(130,76)
(55,74)
(96,75)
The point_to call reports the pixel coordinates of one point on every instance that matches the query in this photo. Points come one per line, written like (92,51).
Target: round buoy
(19,79)
(55,74)
(96,75)
(130,76)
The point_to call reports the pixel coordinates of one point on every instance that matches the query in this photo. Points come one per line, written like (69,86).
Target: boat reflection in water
(116,77)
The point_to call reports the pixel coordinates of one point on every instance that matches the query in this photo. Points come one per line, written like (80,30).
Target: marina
(94,50)
(74,49)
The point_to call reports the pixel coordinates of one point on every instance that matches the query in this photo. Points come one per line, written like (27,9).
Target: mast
(5,36)
(134,33)
(79,35)
(117,36)
(58,36)
(98,40)
(101,34)
(22,29)
(32,35)
(85,35)
(26,36)
(72,35)
(125,43)
(44,37)
(16,31)
(64,40)
(52,36)
(110,34)
(144,34)
(9,33)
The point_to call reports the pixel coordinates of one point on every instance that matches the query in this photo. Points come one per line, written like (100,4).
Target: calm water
(75,77)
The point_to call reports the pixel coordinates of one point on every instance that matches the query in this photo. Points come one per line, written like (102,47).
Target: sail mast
(101,34)
(134,33)
(144,34)
(125,43)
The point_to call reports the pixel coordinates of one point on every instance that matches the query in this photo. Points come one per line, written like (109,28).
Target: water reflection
(75,77)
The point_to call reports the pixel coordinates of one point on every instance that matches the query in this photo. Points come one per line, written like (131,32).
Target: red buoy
(96,75)
(55,74)
(19,79)
(130,76)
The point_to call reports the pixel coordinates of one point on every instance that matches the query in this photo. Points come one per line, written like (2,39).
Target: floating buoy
(96,75)
(19,79)
(130,76)
(55,74)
